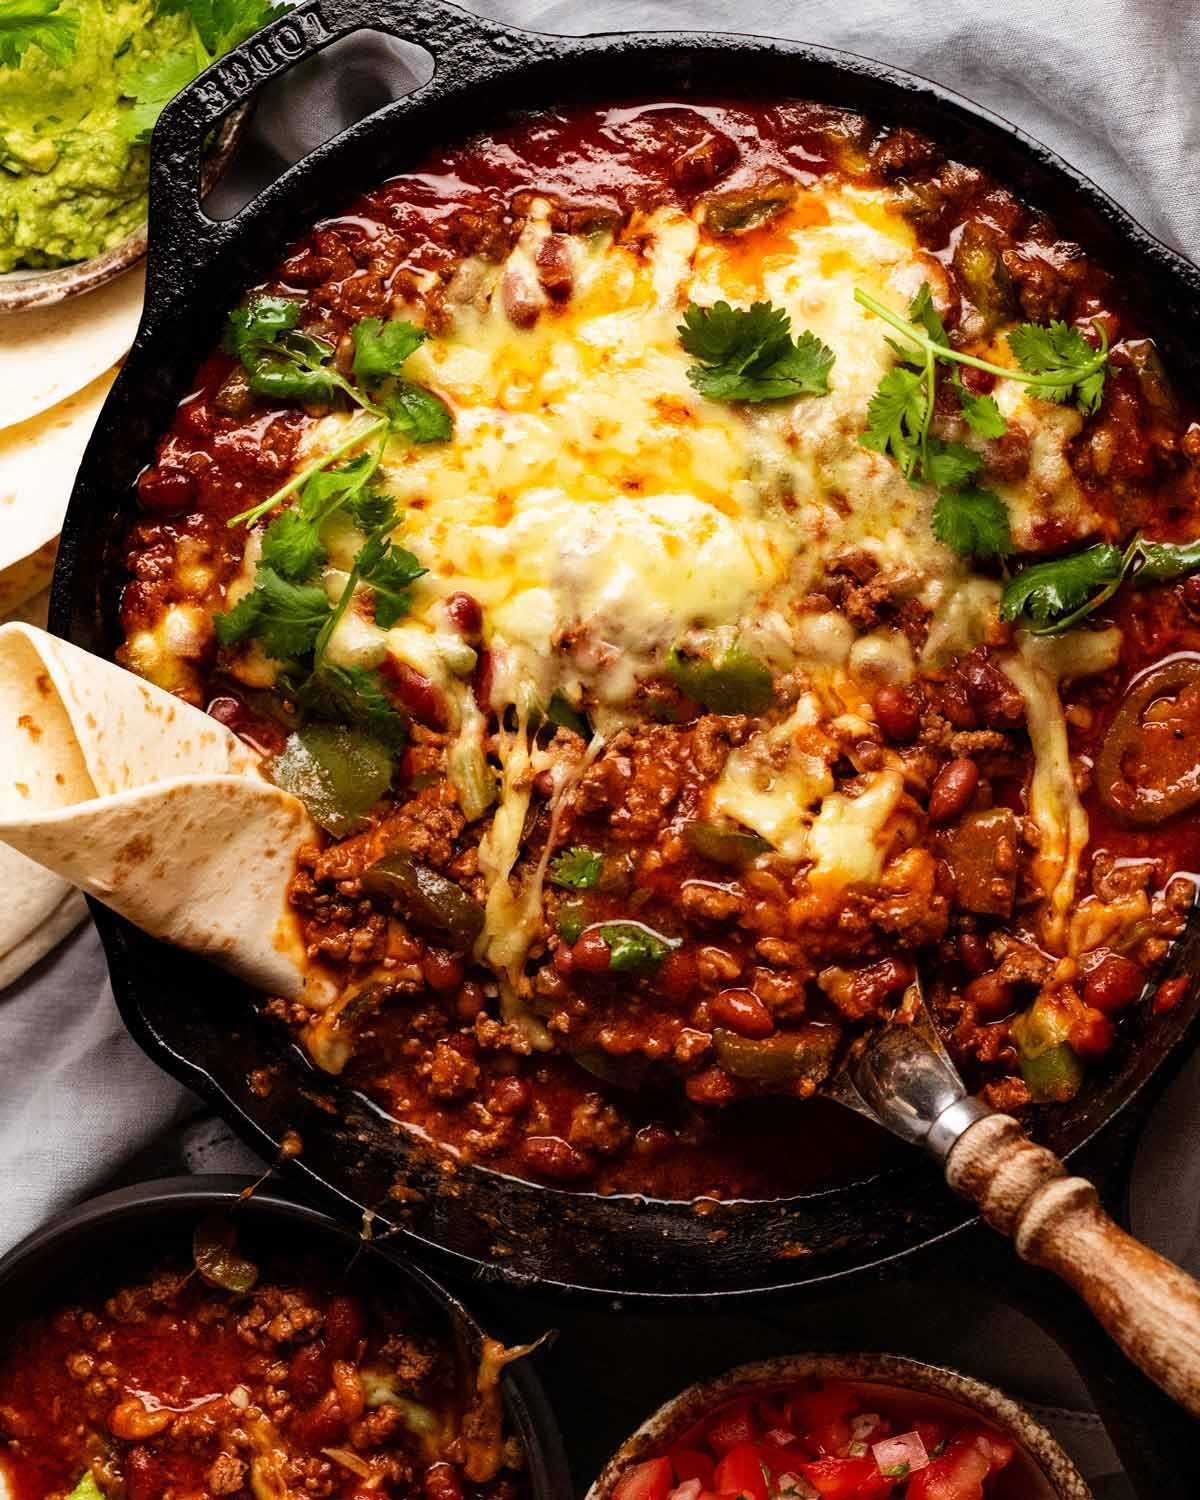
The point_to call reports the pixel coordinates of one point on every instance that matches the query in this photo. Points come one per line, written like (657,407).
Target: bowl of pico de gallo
(841,1427)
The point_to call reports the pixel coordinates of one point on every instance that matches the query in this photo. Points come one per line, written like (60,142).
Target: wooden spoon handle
(1148,1306)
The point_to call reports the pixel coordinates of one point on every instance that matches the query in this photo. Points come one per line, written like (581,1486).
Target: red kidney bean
(952,790)
(345,1325)
(713,1086)
(320,1425)
(510,1095)
(563,960)
(166,489)
(466,614)
(309,1371)
(1112,981)
(553,1158)
(991,996)
(482,679)
(1168,995)
(591,953)
(897,712)
(677,976)
(554,268)
(973,951)
(442,970)
(741,1011)
(415,692)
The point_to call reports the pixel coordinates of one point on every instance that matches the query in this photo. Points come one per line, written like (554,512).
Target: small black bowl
(148,1216)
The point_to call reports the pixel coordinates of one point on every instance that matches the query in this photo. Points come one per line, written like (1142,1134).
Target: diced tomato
(830,1437)
(931,1432)
(809,1409)
(690,1463)
(732,1426)
(651,1480)
(959,1473)
(740,1472)
(846,1478)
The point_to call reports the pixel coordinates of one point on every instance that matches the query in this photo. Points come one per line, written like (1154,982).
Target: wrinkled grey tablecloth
(1112,85)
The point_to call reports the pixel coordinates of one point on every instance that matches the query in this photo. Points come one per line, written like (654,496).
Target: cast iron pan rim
(539,68)
(525,1399)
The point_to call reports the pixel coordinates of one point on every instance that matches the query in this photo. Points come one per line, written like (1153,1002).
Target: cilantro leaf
(632,947)
(221,24)
(577,869)
(1064,362)
(922,312)
(292,547)
(380,349)
(982,415)
(389,570)
(749,355)
(896,418)
(301,379)
(947,465)
(285,617)
(36,23)
(353,695)
(973,522)
(150,88)
(420,415)
(260,321)
(1050,592)
(372,510)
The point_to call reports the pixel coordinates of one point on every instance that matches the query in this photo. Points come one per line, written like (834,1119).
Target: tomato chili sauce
(837,1441)
(605,1118)
(305,1384)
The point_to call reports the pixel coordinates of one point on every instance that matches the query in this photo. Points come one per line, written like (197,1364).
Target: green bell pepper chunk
(338,773)
(429,898)
(778,1061)
(86,1489)
(565,716)
(733,683)
(724,846)
(1049,1064)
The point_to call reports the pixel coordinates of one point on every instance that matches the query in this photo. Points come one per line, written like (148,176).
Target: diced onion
(904,1452)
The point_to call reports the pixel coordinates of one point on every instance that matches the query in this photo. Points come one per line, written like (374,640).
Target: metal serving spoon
(900,1076)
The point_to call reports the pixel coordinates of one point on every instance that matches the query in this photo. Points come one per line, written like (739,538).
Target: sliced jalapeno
(1147,806)
(778,1061)
(724,846)
(732,683)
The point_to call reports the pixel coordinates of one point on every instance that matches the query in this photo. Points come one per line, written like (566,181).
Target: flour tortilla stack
(151,806)
(37,907)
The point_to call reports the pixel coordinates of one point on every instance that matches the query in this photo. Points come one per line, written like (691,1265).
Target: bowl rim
(24,288)
(527,1407)
(678,1413)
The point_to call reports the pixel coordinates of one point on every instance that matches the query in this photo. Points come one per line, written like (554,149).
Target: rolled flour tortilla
(153,807)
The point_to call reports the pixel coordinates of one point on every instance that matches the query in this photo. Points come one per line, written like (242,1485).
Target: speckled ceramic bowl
(38,288)
(1040,1471)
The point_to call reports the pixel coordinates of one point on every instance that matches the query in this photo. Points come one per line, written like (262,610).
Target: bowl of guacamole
(83,83)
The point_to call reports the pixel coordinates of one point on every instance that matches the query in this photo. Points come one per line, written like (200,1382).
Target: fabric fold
(151,806)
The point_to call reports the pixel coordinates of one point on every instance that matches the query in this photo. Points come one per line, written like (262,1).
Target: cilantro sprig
(36,23)
(750,355)
(214,27)
(577,869)
(1055,361)
(1056,594)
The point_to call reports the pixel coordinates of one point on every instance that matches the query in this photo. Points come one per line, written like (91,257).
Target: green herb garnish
(577,869)
(36,23)
(633,947)
(750,355)
(1060,592)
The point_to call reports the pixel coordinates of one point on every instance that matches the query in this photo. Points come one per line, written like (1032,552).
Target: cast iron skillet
(200,1025)
(158,1218)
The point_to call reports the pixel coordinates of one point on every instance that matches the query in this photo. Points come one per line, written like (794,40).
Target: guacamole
(72,166)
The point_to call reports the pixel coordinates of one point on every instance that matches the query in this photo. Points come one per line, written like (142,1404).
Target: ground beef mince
(655,643)
(308,1384)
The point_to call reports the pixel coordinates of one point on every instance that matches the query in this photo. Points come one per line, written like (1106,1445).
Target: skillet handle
(1148,1306)
(463,46)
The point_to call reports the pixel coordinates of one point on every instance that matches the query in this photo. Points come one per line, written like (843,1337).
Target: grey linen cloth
(1112,86)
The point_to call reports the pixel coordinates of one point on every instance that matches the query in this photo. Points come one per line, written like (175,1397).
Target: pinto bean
(952,790)
(897,712)
(553,1158)
(1112,982)
(741,1011)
